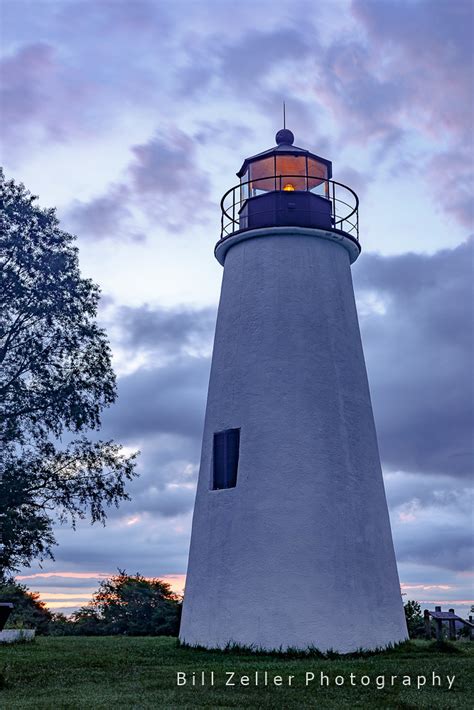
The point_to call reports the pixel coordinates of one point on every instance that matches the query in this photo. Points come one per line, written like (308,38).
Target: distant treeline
(124,604)
(130,605)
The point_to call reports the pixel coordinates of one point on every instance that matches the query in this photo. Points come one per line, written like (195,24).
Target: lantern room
(285,186)
(288,186)
(285,167)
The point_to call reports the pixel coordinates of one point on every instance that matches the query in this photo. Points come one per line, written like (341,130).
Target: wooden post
(426,617)
(452,627)
(439,627)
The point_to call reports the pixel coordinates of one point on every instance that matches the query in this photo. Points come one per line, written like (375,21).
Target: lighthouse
(291,544)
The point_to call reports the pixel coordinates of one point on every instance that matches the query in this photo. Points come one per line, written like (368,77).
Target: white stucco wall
(300,552)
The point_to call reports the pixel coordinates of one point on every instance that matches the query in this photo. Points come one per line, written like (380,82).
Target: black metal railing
(344,201)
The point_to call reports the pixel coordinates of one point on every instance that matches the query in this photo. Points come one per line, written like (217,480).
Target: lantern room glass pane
(292,169)
(262,174)
(317,177)
(244,186)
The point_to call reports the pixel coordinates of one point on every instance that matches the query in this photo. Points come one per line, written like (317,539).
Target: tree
(28,611)
(55,380)
(132,605)
(414,618)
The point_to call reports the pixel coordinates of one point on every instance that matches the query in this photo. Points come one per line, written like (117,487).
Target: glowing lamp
(289,187)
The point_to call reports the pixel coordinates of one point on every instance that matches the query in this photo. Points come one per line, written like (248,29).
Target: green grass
(124,672)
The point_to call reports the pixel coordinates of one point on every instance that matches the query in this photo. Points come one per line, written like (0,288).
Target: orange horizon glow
(52,596)
(71,575)
(446,601)
(77,598)
(427,587)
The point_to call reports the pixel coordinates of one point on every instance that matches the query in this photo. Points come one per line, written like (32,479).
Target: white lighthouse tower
(291,542)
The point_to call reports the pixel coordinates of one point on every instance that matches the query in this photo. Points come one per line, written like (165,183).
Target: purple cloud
(423,51)
(164,165)
(105,217)
(162,179)
(23,76)
(170,331)
(419,348)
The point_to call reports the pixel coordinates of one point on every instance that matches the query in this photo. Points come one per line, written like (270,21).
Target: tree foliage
(55,380)
(414,618)
(29,611)
(132,605)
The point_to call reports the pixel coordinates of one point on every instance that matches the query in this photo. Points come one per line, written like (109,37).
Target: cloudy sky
(132,119)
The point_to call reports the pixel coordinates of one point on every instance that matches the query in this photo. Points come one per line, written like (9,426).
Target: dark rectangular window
(225,459)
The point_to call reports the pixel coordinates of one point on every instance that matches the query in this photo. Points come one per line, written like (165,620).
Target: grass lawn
(124,672)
